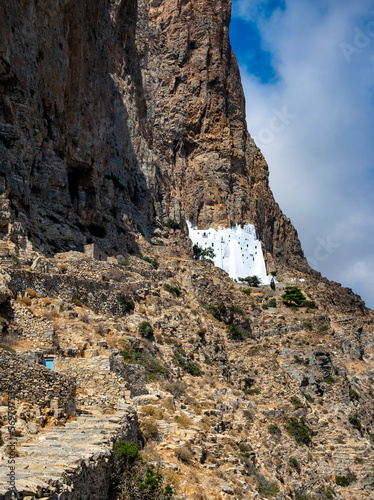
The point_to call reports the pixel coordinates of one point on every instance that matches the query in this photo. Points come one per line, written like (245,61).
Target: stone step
(45,460)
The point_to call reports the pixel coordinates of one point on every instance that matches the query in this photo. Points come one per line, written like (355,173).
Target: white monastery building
(237,250)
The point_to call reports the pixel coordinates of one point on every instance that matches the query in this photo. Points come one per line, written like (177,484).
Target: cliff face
(117,115)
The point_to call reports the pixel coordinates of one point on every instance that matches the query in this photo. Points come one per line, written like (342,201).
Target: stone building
(237,250)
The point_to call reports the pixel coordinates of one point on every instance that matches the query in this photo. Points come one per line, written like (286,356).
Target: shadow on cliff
(85,178)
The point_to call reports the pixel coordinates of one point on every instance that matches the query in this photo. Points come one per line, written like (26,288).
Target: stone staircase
(70,462)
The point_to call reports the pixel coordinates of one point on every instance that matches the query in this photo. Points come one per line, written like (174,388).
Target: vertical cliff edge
(116,116)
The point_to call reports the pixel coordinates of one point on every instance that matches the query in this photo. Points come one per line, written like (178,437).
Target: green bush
(247,291)
(342,481)
(355,421)
(172,289)
(272,303)
(216,313)
(237,332)
(172,224)
(308,397)
(308,325)
(145,329)
(152,261)
(7,348)
(294,463)
(296,402)
(293,296)
(193,369)
(310,304)
(77,302)
(126,452)
(274,430)
(127,306)
(329,380)
(254,281)
(298,431)
(265,487)
(353,394)
(200,253)
(252,392)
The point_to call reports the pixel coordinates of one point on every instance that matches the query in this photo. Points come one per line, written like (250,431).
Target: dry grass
(183,420)
(183,454)
(152,411)
(150,429)
(172,477)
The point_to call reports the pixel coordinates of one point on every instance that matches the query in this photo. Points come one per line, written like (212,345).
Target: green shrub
(247,291)
(152,261)
(323,328)
(172,289)
(296,402)
(127,306)
(216,313)
(126,451)
(355,421)
(274,430)
(265,487)
(145,329)
(342,481)
(353,394)
(76,302)
(193,369)
(294,463)
(254,281)
(308,397)
(371,435)
(300,495)
(200,253)
(172,224)
(272,303)
(272,284)
(123,263)
(310,304)
(237,332)
(293,295)
(329,380)
(15,259)
(298,431)
(308,325)
(252,392)
(7,348)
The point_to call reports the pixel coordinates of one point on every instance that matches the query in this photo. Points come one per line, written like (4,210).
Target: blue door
(49,362)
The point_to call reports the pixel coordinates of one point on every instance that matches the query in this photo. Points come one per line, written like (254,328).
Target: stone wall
(35,383)
(99,296)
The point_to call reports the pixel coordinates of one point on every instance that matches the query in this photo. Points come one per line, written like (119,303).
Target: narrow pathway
(50,463)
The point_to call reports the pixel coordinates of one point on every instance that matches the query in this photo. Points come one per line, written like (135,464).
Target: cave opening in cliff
(81,186)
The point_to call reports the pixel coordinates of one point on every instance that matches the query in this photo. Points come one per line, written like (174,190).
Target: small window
(212,244)
(49,363)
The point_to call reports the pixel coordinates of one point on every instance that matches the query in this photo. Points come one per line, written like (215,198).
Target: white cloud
(321,155)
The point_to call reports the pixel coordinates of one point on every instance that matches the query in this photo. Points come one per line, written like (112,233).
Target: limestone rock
(4,290)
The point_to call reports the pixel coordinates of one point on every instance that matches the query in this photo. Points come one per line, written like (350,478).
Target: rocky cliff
(117,115)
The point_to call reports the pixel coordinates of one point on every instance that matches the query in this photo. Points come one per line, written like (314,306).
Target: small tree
(293,295)
(254,281)
(272,284)
(145,329)
(200,253)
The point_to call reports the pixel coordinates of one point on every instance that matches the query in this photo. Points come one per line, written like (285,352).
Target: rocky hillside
(238,395)
(119,120)
(117,115)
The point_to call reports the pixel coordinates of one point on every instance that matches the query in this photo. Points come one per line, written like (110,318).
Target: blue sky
(307,70)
